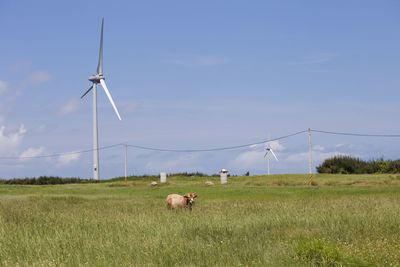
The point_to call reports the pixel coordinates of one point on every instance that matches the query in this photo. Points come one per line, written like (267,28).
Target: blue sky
(195,75)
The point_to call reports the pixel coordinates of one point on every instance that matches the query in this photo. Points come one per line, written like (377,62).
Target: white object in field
(163,177)
(223,174)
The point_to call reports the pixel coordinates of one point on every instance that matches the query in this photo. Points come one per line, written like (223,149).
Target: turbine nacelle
(95,78)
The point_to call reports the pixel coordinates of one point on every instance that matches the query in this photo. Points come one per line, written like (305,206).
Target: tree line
(353,165)
(53,180)
(45,180)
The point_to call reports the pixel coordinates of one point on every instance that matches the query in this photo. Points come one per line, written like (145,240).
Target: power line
(154,148)
(358,134)
(59,154)
(216,148)
(203,150)
(256,143)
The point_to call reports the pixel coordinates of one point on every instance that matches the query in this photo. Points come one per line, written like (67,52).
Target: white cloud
(32,152)
(321,153)
(9,141)
(187,162)
(276,146)
(69,107)
(297,157)
(4,87)
(38,77)
(318,148)
(317,156)
(248,160)
(362,148)
(255,157)
(68,158)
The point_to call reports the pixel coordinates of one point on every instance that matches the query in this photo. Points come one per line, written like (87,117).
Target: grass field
(343,220)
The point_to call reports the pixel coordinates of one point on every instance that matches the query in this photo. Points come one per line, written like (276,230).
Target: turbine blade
(91,87)
(274,154)
(103,84)
(266,153)
(100,64)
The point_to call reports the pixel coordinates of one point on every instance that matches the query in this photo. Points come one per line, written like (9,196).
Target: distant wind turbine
(95,79)
(267,153)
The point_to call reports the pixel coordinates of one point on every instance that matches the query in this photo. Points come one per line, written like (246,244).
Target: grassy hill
(277,220)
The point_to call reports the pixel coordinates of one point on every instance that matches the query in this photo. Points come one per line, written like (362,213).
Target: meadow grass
(274,220)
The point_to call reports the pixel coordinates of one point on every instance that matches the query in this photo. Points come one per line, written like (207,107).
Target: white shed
(223,174)
(163,177)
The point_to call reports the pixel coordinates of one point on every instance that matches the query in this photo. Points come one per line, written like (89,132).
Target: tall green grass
(252,221)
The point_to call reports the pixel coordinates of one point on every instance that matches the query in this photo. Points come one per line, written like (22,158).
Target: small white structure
(163,177)
(223,174)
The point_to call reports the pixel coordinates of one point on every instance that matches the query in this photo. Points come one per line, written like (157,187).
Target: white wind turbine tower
(267,153)
(95,79)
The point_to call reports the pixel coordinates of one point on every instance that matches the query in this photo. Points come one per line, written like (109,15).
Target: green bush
(45,180)
(351,165)
(318,253)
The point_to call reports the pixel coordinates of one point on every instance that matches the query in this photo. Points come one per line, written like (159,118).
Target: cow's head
(190,197)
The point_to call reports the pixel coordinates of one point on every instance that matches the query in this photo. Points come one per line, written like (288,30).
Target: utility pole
(310,181)
(269,138)
(126,163)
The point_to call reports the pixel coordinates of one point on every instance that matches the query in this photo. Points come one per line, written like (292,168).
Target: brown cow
(175,201)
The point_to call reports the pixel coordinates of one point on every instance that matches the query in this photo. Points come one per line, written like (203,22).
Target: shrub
(318,253)
(351,165)
(46,180)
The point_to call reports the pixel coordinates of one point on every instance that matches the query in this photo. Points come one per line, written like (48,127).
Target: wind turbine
(269,151)
(96,79)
